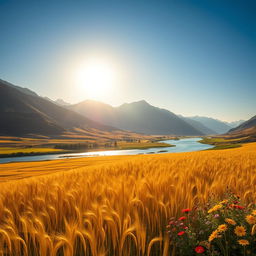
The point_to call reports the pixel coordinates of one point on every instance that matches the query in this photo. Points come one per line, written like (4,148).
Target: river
(182,145)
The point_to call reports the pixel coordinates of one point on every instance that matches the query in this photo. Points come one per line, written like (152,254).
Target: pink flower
(182,218)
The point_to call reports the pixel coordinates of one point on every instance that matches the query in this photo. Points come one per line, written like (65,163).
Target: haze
(191,57)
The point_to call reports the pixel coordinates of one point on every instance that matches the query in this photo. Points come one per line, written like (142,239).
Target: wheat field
(120,207)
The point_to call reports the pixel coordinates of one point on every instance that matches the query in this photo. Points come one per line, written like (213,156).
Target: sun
(96,78)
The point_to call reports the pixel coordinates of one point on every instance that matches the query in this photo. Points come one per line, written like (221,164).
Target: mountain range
(142,117)
(23,111)
(137,116)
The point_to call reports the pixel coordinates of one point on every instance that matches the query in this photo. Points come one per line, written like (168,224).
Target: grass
(225,146)
(28,150)
(221,143)
(16,151)
(19,146)
(113,205)
(141,145)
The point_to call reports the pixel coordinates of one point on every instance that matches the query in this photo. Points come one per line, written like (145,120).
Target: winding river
(182,145)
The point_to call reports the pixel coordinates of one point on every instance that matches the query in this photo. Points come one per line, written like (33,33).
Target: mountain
(23,112)
(245,125)
(21,89)
(213,124)
(137,116)
(234,123)
(198,125)
(59,102)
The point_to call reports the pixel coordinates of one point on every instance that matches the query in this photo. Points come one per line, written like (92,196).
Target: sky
(190,57)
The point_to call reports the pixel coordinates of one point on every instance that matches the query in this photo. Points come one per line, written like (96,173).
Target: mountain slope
(199,126)
(23,113)
(245,125)
(137,116)
(21,89)
(216,125)
(234,124)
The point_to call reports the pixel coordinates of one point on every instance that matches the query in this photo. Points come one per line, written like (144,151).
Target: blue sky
(191,57)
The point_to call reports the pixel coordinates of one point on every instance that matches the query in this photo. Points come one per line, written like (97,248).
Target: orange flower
(243,242)
(240,231)
(222,228)
(230,221)
(251,219)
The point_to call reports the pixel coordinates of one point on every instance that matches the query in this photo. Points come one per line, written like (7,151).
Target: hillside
(137,116)
(22,112)
(213,124)
(198,125)
(245,125)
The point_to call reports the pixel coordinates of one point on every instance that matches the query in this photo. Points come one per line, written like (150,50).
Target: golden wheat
(120,208)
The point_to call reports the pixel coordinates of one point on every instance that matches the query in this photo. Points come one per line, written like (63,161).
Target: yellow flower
(224,201)
(240,231)
(213,235)
(243,242)
(230,221)
(215,208)
(222,228)
(254,212)
(251,219)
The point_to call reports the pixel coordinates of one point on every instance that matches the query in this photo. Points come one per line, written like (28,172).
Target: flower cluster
(220,228)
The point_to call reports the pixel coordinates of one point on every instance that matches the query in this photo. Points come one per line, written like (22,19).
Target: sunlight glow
(96,78)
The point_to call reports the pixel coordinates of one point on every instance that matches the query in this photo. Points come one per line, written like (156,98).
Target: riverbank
(220,143)
(20,152)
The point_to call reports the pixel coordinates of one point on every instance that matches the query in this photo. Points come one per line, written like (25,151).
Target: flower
(254,212)
(213,235)
(224,201)
(199,249)
(240,231)
(237,206)
(230,221)
(243,242)
(251,219)
(215,208)
(171,222)
(182,218)
(222,228)
(186,210)
(181,233)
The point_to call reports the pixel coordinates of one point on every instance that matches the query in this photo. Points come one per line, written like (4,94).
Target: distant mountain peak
(61,102)
(138,116)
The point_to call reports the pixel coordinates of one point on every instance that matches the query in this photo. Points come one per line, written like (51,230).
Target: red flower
(237,206)
(185,227)
(199,249)
(181,233)
(186,210)
(182,218)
